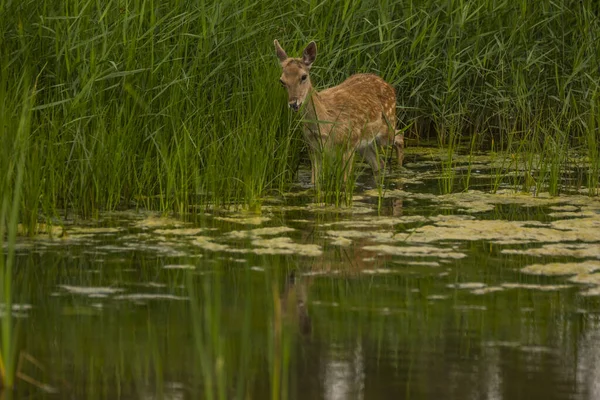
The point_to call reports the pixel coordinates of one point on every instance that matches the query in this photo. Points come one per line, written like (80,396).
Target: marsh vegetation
(161,237)
(164,105)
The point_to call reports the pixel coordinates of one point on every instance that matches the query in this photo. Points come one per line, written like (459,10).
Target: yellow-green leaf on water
(415,251)
(91,290)
(378,222)
(573,214)
(341,241)
(285,245)
(156,221)
(423,263)
(486,290)
(554,269)
(179,266)
(93,230)
(376,236)
(271,231)
(207,244)
(528,286)
(356,208)
(179,231)
(244,220)
(586,279)
(392,193)
(377,271)
(467,285)
(575,250)
(566,207)
(149,296)
(437,297)
(41,229)
(594,291)
(505,232)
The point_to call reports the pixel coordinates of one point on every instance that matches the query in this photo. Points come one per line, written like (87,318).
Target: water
(425,298)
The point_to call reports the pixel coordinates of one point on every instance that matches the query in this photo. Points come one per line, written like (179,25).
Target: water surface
(472,295)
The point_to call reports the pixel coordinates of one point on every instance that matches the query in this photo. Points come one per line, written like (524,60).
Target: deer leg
(317,167)
(369,153)
(348,162)
(314,155)
(399,145)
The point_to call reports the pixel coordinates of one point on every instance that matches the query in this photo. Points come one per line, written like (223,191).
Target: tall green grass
(167,104)
(15,131)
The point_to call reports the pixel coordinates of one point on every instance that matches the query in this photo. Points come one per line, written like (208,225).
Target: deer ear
(310,54)
(280,52)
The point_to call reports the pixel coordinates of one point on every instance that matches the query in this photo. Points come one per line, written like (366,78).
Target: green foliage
(164,104)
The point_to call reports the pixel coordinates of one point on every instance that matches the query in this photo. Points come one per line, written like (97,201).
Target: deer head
(295,76)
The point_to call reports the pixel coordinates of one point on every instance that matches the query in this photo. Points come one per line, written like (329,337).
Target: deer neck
(315,111)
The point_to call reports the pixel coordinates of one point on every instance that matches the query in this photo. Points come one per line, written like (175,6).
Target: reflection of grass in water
(228,340)
(239,324)
(209,344)
(15,130)
(393,319)
(232,355)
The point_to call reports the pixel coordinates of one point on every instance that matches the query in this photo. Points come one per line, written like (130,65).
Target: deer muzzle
(294,105)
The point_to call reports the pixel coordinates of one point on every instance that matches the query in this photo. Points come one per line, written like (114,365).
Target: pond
(471,295)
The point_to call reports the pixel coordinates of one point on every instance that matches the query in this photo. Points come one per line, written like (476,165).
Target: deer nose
(294,105)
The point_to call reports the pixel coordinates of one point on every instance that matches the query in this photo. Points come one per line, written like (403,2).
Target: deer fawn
(359,113)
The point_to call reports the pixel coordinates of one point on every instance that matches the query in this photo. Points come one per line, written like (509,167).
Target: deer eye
(303,78)
(282,82)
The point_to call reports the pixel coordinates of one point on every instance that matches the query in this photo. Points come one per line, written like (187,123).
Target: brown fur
(358,113)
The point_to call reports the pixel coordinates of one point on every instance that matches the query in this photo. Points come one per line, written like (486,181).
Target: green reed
(336,175)
(167,105)
(233,361)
